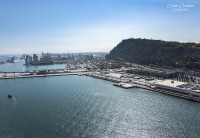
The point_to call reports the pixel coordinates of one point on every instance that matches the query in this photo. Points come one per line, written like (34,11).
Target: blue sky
(33,26)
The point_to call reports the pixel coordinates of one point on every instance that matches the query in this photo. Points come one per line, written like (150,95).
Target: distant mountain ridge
(157,53)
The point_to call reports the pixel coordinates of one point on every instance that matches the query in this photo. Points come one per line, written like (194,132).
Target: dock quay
(104,77)
(126,84)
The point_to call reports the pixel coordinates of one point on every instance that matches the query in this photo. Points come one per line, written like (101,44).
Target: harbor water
(81,106)
(19,66)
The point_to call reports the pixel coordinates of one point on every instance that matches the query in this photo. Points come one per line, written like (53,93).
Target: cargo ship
(41,63)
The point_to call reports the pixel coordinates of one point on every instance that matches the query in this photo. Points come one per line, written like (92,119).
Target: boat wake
(14,98)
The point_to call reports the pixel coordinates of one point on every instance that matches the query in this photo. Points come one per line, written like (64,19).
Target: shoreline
(117,82)
(127,85)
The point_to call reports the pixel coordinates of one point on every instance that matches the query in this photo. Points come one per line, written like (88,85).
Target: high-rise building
(35,58)
(28,59)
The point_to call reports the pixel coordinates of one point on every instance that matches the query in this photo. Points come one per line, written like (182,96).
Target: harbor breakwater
(15,75)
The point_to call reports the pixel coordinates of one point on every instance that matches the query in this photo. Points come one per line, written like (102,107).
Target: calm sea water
(80,106)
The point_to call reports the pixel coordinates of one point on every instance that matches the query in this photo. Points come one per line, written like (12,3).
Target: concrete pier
(15,75)
(100,76)
(127,85)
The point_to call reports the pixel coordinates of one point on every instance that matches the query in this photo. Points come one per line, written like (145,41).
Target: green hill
(157,53)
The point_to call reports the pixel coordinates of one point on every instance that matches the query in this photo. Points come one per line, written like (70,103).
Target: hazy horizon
(80,26)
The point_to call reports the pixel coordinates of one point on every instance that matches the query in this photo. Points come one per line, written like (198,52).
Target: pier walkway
(14,75)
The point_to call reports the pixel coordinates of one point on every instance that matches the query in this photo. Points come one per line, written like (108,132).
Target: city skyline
(93,26)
